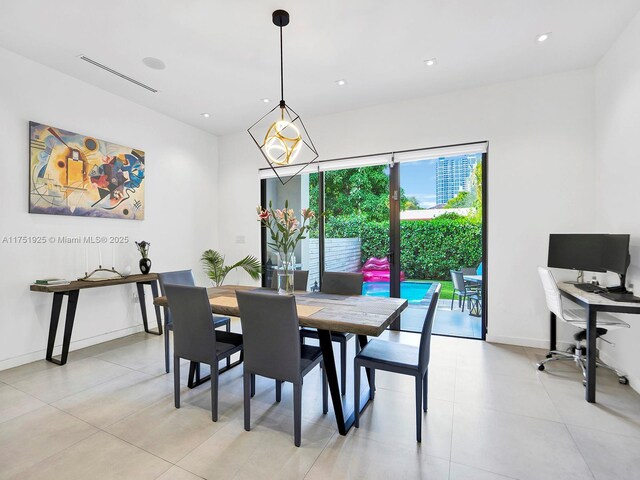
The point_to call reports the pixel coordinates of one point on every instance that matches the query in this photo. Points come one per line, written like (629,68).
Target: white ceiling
(222,57)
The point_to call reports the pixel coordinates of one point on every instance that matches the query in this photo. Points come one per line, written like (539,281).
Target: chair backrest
(425,337)
(468,271)
(458,280)
(300,279)
(551,291)
(342,283)
(271,335)
(179,277)
(194,335)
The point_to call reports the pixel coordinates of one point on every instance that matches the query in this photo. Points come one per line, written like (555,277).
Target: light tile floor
(109,414)
(448,321)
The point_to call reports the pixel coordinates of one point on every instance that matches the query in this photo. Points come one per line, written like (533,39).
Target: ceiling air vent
(121,75)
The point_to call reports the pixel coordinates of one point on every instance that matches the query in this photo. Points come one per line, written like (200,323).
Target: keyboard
(589,288)
(620,297)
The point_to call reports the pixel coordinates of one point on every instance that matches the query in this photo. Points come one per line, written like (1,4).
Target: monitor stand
(619,288)
(578,280)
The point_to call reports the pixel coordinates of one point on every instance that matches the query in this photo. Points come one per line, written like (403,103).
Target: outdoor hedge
(430,248)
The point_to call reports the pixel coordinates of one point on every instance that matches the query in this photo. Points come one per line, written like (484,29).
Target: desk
(592,303)
(339,313)
(72,290)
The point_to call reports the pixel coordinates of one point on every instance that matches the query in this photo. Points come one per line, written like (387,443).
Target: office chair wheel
(549,355)
(541,367)
(623,380)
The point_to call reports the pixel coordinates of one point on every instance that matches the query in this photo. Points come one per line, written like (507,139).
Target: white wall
(180,213)
(541,162)
(618,172)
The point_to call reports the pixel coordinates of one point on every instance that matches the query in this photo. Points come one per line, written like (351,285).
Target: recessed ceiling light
(265,100)
(430,62)
(154,63)
(543,37)
(206,115)
(341,82)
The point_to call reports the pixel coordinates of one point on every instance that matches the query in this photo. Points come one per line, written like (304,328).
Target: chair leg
(357,345)
(246,377)
(425,389)
(214,392)
(356,393)
(372,384)
(176,381)
(253,385)
(453,297)
(167,366)
(297,414)
(325,390)
(278,390)
(464,299)
(418,408)
(228,329)
(343,365)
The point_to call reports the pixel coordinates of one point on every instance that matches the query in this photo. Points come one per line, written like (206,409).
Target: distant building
(453,174)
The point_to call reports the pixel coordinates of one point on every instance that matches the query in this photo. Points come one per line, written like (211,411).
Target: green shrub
(430,248)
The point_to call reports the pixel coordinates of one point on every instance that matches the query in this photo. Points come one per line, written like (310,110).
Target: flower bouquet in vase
(286,231)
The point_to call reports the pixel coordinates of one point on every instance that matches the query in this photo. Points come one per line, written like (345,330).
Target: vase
(145,265)
(285,270)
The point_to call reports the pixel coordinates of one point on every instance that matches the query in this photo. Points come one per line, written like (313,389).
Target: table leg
(72,303)
(154,292)
(143,309)
(552,331)
(590,391)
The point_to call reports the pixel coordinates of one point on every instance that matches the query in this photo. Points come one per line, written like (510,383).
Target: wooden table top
(338,313)
(82,284)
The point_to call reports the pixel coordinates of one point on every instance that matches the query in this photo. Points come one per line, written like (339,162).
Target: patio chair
(461,289)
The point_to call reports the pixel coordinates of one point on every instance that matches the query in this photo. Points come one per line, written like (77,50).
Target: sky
(418,179)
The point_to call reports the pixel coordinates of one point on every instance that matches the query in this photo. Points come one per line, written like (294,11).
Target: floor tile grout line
(326,445)
(507,477)
(579,450)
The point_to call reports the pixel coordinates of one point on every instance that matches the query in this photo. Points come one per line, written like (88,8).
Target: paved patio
(447,322)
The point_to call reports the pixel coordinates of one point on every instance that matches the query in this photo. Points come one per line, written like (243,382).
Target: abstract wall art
(74,174)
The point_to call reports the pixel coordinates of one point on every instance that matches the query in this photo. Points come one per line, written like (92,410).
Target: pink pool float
(378,270)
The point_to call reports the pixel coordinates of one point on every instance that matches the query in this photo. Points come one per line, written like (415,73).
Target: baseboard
(634,382)
(519,341)
(75,345)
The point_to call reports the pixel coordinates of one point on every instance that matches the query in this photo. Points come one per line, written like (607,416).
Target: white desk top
(593,298)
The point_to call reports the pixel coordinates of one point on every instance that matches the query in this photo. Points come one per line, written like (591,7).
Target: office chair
(575,317)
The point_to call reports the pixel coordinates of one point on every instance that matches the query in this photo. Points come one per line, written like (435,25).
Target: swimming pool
(414,292)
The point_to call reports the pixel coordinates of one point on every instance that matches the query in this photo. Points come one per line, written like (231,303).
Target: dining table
(361,315)
(475,309)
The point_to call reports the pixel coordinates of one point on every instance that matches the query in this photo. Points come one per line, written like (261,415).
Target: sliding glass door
(409,222)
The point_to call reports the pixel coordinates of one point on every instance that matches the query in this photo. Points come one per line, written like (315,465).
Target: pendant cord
(281,70)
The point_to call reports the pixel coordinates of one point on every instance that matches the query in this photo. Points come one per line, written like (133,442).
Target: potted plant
(213,264)
(286,231)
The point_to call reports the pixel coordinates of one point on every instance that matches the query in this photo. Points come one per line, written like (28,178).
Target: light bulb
(282,142)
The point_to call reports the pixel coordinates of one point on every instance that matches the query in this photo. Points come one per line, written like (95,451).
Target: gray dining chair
(339,283)
(400,358)
(195,337)
(300,279)
(272,349)
(181,277)
(461,288)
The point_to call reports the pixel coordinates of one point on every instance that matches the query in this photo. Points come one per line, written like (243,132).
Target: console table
(72,290)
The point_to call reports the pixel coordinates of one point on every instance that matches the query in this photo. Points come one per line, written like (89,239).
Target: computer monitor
(615,254)
(576,251)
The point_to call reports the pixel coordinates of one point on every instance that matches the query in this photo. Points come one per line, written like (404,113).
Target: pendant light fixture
(280,134)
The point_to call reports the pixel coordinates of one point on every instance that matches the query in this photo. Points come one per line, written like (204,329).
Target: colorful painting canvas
(73,174)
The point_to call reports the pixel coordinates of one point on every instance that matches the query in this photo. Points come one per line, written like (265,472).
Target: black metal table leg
(72,303)
(552,331)
(344,410)
(154,292)
(590,391)
(143,308)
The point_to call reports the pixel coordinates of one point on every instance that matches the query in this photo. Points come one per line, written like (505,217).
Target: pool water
(414,292)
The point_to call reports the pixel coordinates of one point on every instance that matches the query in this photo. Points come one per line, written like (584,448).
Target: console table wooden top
(82,284)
